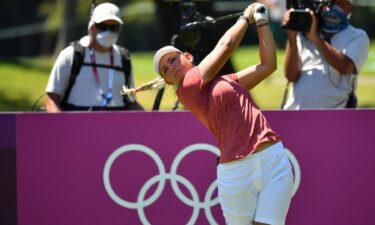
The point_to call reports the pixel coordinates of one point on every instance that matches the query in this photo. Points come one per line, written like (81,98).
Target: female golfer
(254,174)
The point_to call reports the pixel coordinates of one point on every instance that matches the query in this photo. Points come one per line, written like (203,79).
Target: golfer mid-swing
(254,174)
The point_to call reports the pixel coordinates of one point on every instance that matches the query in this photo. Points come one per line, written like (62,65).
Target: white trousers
(256,188)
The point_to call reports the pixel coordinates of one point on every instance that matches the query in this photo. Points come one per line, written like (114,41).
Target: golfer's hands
(257,13)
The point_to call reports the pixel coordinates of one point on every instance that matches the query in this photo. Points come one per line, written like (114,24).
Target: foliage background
(32,32)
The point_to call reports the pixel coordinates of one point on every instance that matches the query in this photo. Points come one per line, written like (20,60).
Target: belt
(263,146)
(260,148)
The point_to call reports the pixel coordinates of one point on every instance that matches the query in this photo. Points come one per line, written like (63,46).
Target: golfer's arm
(253,75)
(52,102)
(215,60)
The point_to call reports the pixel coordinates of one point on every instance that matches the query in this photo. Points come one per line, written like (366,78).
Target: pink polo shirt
(228,111)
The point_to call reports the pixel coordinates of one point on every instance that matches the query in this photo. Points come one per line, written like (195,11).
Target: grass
(23,81)
(21,84)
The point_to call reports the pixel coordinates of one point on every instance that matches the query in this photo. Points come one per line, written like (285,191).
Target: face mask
(334,20)
(106,38)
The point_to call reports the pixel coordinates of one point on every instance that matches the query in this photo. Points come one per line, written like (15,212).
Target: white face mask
(106,38)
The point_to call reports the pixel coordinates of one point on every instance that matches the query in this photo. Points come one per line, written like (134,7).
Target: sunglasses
(104,27)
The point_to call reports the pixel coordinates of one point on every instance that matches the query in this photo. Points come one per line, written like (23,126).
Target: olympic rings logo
(174,178)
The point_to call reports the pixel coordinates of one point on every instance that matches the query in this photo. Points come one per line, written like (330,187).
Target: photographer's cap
(106,11)
(162,52)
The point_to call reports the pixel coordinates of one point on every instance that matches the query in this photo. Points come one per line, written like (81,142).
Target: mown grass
(22,82)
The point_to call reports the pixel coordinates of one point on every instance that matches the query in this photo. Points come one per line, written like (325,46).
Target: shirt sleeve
(232,76)
(60,74)
(191,88)
(193,81)
(358,49)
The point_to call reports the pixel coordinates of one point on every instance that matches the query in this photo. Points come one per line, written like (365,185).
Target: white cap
(162,52)
(106,11)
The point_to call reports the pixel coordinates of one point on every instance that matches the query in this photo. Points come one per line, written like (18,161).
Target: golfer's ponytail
(152,85)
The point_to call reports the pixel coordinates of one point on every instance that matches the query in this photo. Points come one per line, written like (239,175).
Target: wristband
(263,25)
(244,18)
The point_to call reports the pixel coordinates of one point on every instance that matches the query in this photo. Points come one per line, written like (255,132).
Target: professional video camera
(192,21)
(300,18)
(189,32)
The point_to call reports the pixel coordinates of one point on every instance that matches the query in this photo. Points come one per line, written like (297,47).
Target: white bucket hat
(162,52)
(106,11)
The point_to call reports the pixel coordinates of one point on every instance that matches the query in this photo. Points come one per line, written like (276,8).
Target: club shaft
(194,24)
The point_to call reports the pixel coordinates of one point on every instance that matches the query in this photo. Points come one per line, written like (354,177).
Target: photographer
(88,74)
(324,62)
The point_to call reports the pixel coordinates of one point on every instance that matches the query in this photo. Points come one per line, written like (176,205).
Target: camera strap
(285,95)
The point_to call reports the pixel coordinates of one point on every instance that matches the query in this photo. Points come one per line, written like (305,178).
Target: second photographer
(324,62)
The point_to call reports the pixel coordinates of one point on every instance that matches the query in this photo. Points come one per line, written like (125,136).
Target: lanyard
(95,70)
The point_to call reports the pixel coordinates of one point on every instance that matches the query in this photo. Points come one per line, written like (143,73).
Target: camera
(300,19)
(189,15)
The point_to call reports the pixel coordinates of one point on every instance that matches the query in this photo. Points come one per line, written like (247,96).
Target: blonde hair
(155,84)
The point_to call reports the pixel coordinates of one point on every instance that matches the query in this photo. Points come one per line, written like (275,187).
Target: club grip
(261,9)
